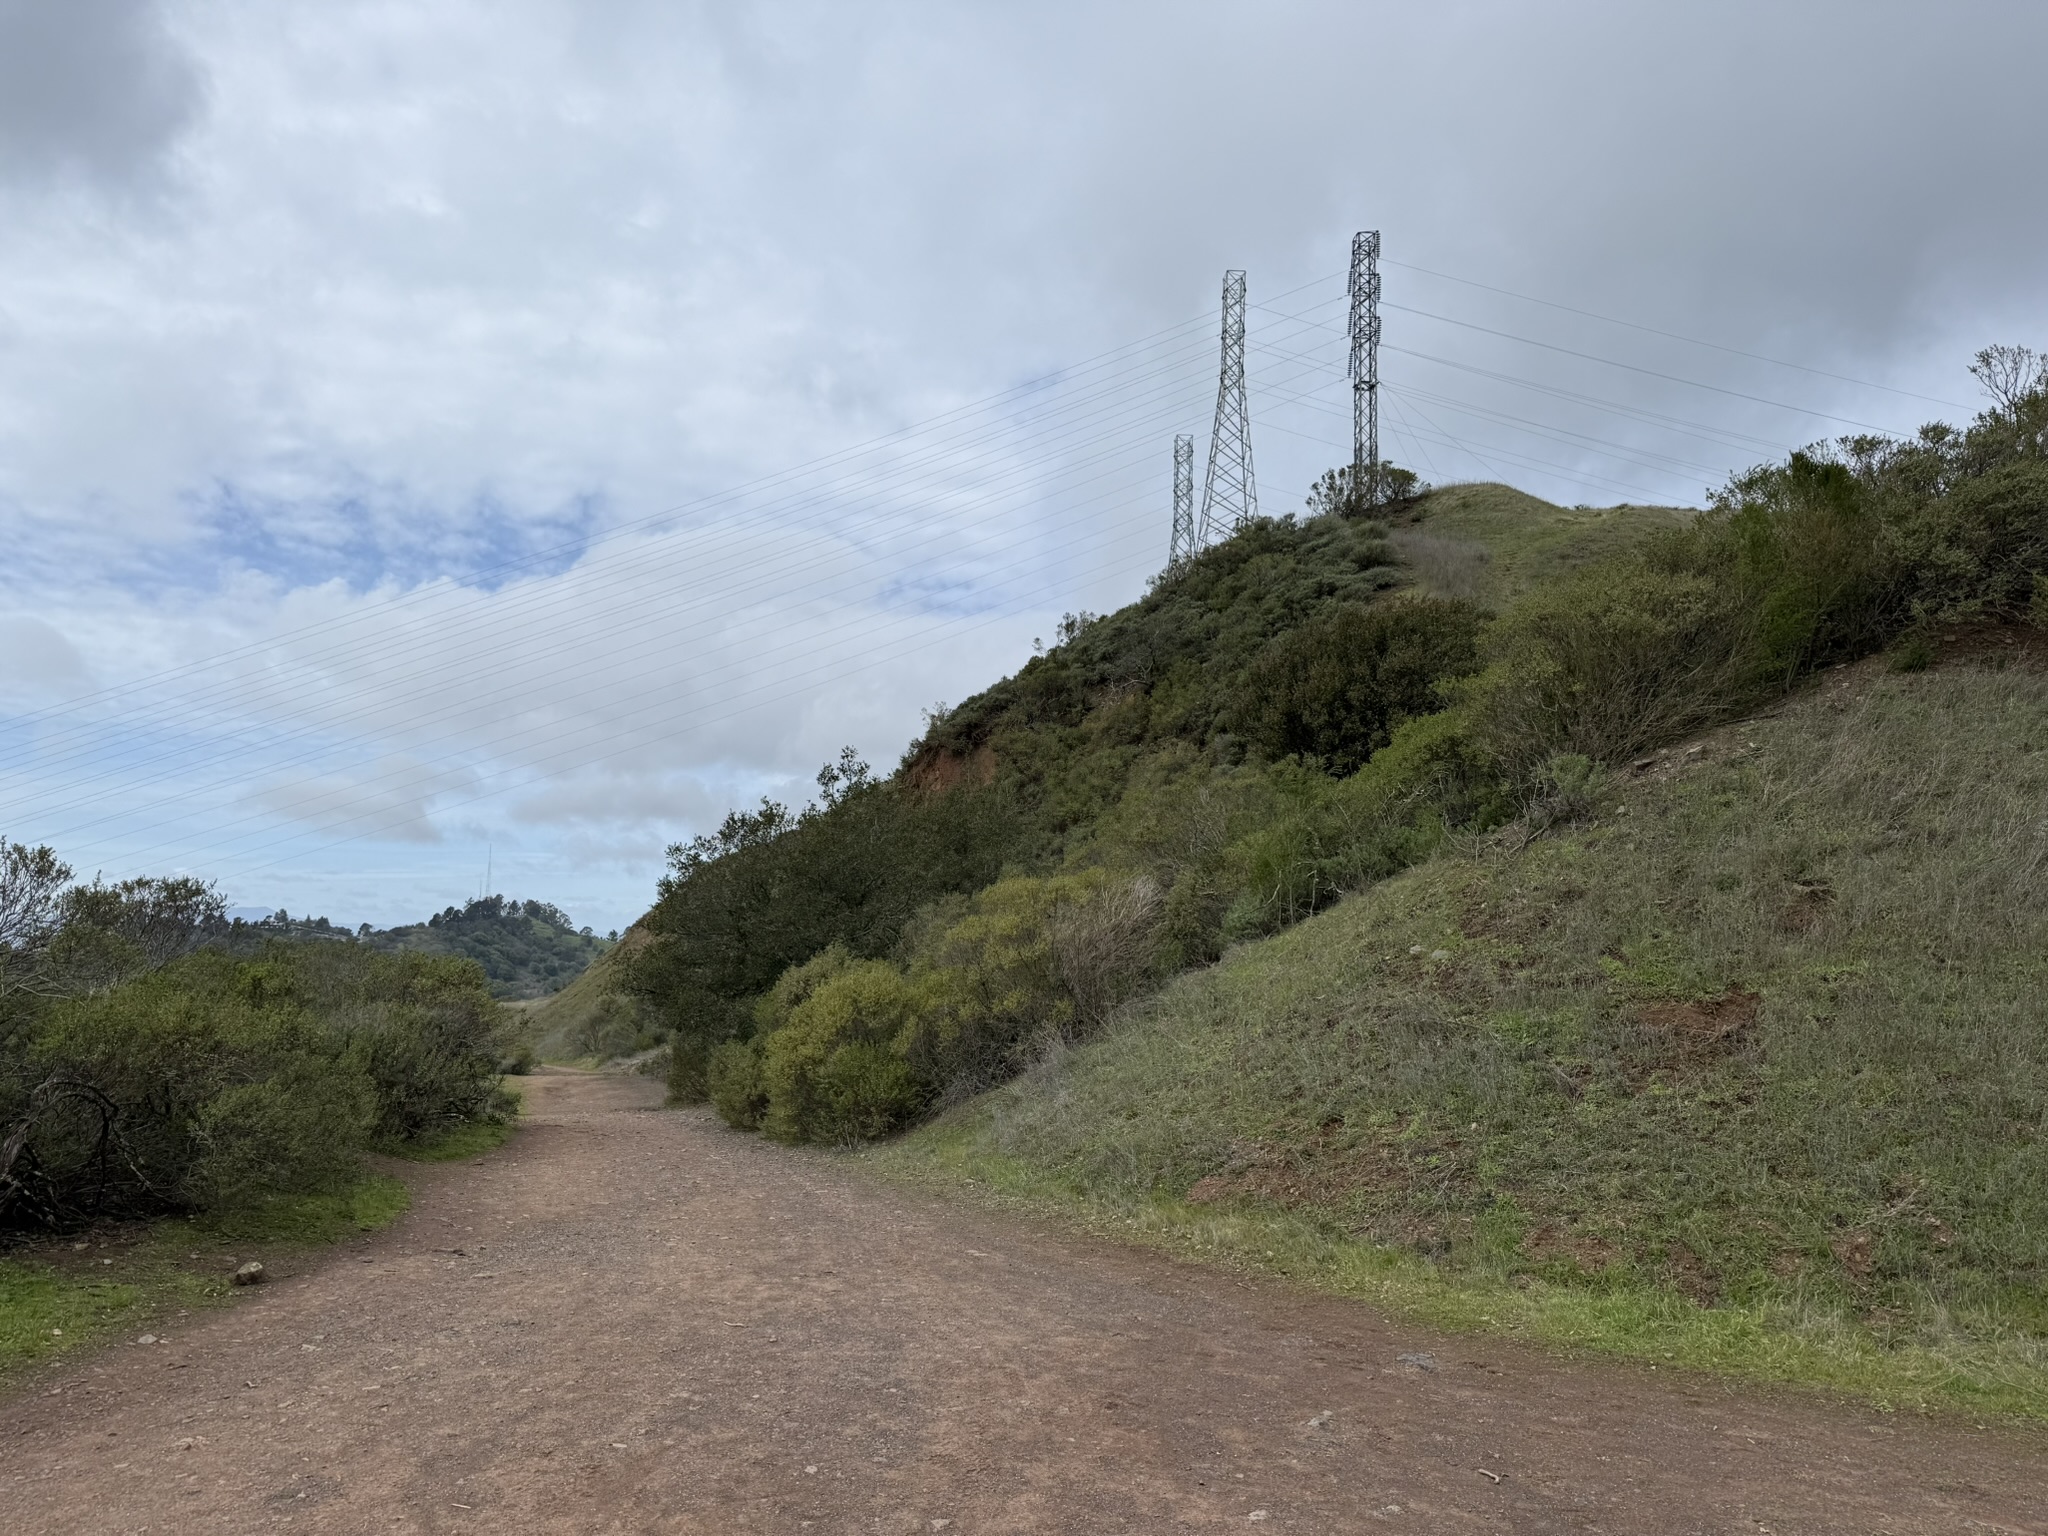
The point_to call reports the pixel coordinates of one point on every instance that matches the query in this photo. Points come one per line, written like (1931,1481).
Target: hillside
(594,1017)
(1760,1033)
(1527,972)
(527,949)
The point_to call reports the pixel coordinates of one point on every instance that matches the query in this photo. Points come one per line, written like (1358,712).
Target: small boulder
(250,1273)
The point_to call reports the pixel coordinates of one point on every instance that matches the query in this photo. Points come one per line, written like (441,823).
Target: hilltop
(527,949)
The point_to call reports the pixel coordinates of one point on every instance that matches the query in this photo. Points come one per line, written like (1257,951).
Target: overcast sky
(443,433)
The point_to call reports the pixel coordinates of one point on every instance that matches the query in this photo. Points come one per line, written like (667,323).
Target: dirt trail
(635,1321)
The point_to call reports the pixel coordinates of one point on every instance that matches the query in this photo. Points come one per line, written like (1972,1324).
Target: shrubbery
(163,1076)
(1334,689)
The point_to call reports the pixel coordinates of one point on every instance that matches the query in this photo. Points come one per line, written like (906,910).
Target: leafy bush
(150,1079)
(1615,659)
(734,1084)
(830,1073)
(1335,688)
(223,1089)
(770,889)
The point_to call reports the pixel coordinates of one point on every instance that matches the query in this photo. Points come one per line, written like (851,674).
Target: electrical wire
(1693,341)
(753,661)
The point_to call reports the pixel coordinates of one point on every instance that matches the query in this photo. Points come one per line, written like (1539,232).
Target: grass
(471,1139)
(1491,544)
(62,1295)
(1746,1072)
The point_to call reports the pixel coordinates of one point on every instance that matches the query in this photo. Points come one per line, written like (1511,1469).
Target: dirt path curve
(635,1321)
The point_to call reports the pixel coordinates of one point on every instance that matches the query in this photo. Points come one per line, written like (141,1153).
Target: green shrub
(735,1085)
(225,1090)
(1616,658)
(1335,688)
(689,1070)
(213,1082)
(821,1071)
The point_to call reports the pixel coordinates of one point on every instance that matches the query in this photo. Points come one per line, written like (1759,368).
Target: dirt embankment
(632,1320)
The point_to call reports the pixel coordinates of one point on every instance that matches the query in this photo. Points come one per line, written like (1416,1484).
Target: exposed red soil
(632,1320)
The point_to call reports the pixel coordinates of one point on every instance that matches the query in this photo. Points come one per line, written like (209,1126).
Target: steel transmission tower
(1183,500)
(1365,366)
(1230,497)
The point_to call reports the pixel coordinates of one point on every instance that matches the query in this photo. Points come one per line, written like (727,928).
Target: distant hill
(528,949)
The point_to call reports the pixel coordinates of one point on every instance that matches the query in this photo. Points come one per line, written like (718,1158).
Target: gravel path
(634,1321)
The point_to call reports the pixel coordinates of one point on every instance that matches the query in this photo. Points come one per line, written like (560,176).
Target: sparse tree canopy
(1335,494)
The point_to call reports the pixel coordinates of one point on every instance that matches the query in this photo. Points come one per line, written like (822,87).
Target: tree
(32,882)
(2010,374)
(1335,493)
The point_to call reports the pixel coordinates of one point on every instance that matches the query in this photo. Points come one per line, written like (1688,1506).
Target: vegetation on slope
(596,1017)
(527,949)
(1287,716)
(1775,1097)
(1757,1032)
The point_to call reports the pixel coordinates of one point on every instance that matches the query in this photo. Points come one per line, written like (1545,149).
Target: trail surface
(631,1320)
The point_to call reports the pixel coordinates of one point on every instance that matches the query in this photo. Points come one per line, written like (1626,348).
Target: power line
(752,661)
(1692,341)
(575,592)
(538,557)
(1669,378)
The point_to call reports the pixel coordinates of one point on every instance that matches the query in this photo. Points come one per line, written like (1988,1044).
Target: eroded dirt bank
(631,1320)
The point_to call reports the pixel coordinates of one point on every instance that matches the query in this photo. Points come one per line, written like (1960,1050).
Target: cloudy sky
(446,434)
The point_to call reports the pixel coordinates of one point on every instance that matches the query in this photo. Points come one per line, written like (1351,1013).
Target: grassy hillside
(1723,1051)
(1492,544)
(1746,1067)
(593,1017)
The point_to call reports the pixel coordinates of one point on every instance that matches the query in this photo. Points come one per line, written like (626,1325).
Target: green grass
(1746,1073)
(1781,1344)
(376,1200)
(71,1293)
(1492,544)
(471,1139)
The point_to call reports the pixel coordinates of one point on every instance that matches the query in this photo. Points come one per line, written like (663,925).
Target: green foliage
(226,1090)
(1824,557)
(466,1139)
(527,949)
(771,889)
(735,1086)
(595,1017)
(1712,1049)
(1334,689)
(831,1073)
(1266,731)
(214,1082)
(1337,492)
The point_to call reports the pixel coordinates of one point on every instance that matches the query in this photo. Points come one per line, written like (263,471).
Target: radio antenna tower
(1183,500)
(1365,366)
(1230,497)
